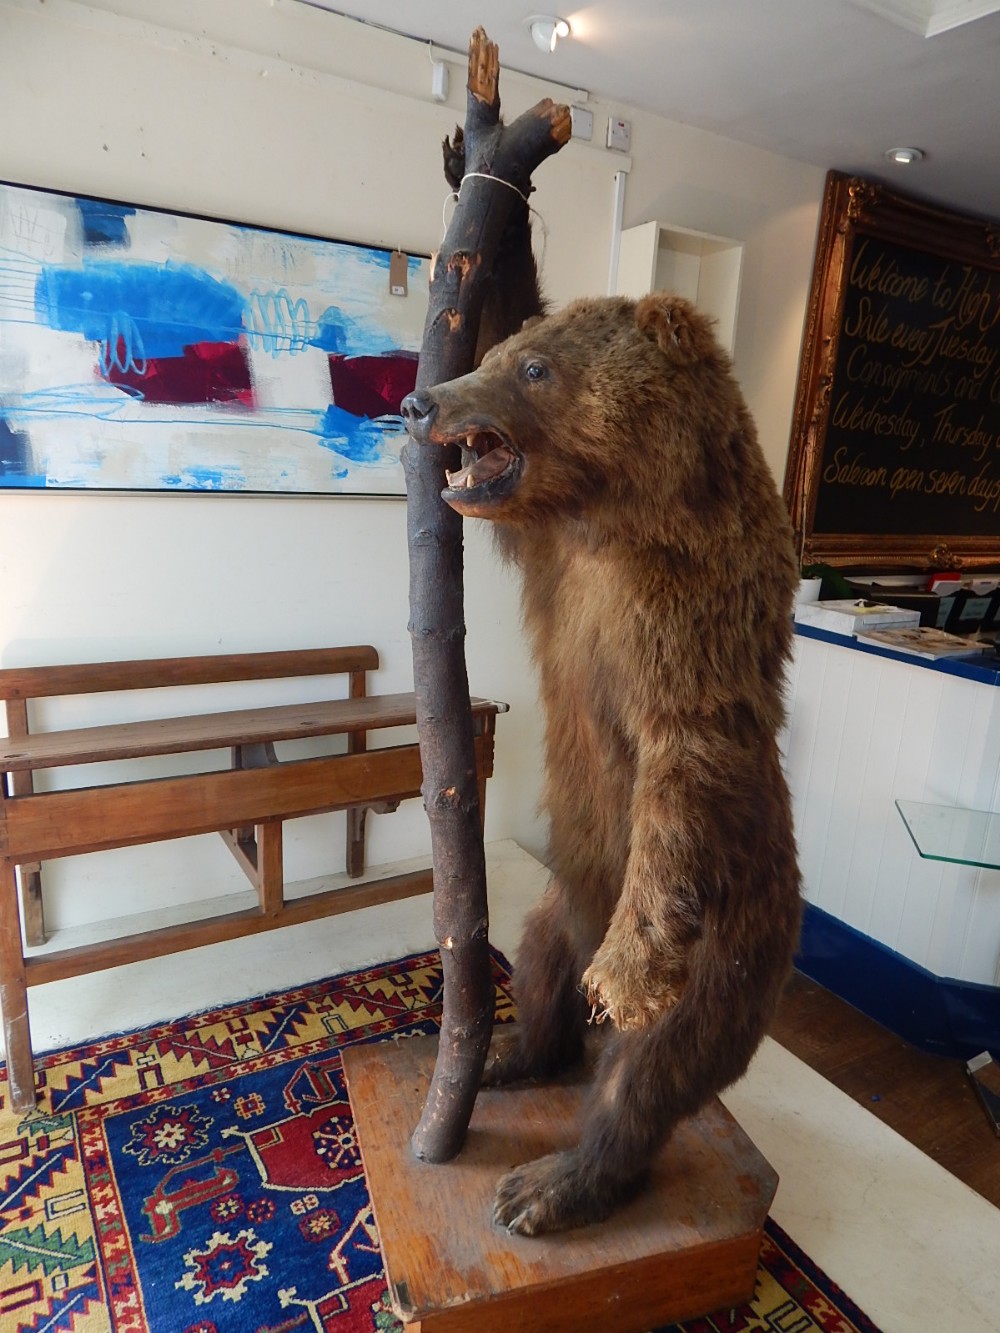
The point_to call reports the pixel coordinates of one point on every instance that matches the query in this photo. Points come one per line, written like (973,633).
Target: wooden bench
(246,803)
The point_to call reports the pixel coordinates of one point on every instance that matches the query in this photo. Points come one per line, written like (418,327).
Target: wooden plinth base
(688,1245)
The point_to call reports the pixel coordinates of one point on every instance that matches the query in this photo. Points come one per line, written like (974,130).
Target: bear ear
(672,323)
(530,322)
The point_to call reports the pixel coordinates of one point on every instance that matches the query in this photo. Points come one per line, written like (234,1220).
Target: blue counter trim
(979,666)
(937,1014)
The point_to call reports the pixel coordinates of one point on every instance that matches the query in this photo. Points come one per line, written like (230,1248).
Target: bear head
(609,405)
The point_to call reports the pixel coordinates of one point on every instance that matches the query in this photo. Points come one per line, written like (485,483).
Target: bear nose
(419,410)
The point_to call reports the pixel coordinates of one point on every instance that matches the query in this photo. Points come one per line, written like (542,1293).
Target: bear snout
(418,410)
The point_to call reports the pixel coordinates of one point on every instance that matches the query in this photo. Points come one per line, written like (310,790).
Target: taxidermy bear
(611,446)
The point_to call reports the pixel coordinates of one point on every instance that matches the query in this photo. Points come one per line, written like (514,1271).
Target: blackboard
(895,454)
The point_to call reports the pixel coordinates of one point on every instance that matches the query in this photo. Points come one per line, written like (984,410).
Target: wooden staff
(465,266)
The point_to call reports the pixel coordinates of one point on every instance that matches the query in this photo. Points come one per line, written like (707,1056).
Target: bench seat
(210,731)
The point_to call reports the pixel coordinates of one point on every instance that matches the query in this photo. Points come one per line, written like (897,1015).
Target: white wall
(270,112)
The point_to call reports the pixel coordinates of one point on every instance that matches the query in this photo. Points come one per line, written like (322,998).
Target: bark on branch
(465,265)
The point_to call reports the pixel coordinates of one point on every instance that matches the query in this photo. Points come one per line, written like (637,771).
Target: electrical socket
(619,134)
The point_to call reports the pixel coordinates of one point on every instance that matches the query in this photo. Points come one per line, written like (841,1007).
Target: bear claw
(549,1194)
(631,1003)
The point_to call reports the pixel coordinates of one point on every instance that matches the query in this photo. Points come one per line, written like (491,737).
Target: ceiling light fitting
(546,29)
(904,156)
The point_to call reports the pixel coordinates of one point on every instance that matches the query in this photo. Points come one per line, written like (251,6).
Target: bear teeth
(459,480)
(478,467)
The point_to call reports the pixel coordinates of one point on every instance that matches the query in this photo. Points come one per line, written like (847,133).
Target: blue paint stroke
(208,479)
(98,401)
(374,258)
(343,334)
(139,310)
(16,461)
(358,439)
(277,324)
(332,331)
(17,288)
(91,400)
(104,224)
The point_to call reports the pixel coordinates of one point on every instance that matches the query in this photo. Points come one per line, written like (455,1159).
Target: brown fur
(658,578)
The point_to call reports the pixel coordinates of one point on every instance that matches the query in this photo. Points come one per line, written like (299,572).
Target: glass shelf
(949,833)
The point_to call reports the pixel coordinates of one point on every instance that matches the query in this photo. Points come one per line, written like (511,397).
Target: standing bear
(611,446)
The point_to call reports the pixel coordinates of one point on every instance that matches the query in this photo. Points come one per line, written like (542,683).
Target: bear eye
(535,370)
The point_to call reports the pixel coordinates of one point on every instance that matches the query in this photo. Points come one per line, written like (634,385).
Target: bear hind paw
(511,1060)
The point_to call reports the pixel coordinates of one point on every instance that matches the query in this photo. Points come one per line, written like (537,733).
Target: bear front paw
(629,988)
(453,151)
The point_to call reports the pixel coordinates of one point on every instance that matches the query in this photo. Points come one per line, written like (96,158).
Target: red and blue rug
(203,1176)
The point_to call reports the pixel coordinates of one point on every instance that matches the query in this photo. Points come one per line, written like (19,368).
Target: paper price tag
(397,273)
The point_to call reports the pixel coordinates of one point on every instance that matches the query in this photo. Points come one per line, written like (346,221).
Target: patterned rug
(203,1176)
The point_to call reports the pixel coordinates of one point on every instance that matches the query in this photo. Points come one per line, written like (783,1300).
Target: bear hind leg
(634,1104)
(552,1009)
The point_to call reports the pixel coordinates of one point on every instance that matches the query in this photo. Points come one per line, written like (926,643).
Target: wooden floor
(926,1099)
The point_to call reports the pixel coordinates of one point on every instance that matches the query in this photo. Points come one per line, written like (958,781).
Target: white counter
(866,727)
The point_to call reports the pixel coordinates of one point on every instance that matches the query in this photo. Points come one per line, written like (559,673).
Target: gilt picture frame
(895,452)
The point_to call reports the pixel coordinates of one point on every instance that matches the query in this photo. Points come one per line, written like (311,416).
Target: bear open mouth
(489,461)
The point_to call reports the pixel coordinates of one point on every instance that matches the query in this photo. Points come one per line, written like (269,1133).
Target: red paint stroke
(206,373)
(372,386)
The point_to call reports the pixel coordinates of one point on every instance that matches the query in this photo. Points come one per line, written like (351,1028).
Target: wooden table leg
(14,995)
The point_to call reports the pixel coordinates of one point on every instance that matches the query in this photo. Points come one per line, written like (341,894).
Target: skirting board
(937,1014)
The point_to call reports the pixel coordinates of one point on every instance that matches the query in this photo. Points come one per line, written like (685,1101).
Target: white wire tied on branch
(483,175)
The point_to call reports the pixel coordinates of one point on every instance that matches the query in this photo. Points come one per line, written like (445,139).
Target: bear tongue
(490,465)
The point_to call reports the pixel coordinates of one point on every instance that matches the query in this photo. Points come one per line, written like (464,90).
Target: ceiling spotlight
(546,29)
(904,156)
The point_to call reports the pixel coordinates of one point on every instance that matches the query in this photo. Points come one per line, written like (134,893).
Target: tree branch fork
(505,154)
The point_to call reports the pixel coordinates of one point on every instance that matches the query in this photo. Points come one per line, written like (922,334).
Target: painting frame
(900,358)
(146,350)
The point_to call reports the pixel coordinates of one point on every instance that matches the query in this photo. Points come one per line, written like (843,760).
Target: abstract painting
(142,350)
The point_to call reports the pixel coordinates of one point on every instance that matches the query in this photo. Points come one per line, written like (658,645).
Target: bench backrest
(19,685)
(22,683)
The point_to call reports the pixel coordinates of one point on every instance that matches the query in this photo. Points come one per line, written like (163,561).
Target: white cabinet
(705,269)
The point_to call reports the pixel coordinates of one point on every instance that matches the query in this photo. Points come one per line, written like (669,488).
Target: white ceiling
(830,82)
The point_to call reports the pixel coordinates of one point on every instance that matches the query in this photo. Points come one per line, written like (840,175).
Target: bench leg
(32,907)
(357,823)
(257,755)
(14,995)
(357,817)
(270,868)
